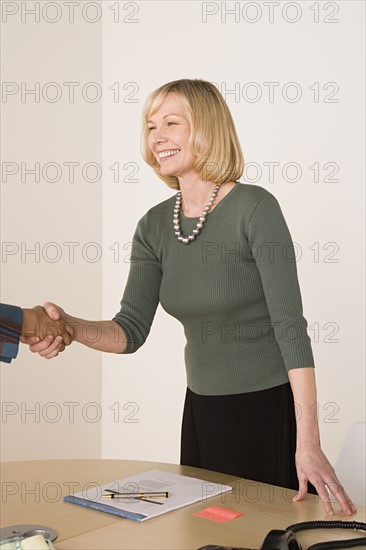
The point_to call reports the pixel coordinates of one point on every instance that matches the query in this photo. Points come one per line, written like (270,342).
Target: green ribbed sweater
(234,289)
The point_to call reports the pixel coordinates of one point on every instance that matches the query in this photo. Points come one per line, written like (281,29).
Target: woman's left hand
(312,465)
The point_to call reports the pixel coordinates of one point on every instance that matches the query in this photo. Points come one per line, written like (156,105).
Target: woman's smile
(166,155)
(169,133)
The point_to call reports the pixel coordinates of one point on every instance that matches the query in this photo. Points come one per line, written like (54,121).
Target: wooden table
(32,493)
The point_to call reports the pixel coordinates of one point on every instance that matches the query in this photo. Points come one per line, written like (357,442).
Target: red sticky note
(218,513)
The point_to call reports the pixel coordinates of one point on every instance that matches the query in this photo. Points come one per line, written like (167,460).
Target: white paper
(182,490)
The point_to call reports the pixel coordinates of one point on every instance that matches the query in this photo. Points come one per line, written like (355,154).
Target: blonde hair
(213,140)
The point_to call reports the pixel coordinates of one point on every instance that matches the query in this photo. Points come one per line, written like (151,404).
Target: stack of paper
(182,490)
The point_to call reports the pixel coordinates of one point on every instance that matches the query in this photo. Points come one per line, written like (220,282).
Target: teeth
(169,153)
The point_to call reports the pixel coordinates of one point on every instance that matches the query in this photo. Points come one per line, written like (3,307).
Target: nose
(159,139)
(159,136)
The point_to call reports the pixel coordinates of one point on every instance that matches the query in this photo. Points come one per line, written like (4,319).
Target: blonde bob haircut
(213,139)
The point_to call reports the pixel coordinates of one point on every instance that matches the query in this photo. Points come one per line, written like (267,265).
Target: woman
(218,256)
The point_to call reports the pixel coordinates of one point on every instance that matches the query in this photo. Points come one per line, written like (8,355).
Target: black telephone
(286,540)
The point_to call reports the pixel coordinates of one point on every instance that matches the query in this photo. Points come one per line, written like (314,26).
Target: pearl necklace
(201,221)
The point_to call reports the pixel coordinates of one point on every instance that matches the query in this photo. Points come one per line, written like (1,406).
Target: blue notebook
(104,507)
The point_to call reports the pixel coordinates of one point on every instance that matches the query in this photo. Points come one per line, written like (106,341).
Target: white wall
(145,45)
(170,40)
(35,214)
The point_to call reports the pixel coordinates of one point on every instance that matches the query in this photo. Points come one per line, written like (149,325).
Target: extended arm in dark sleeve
(11,318)
(141,295)
(275,257)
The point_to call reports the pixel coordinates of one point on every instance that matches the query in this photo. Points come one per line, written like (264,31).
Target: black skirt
(249,435)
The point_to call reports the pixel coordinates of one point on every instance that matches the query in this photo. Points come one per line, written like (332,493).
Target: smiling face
(169,132)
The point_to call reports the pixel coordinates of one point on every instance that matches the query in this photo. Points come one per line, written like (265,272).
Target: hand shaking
(48,327)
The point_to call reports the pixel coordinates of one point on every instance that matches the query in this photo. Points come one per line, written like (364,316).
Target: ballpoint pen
(147,494)
(119,498)
(116,495)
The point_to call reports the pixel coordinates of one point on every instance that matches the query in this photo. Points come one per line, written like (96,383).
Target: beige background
(140,396)
(44,213)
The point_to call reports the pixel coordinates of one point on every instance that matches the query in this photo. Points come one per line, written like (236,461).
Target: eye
(149,128)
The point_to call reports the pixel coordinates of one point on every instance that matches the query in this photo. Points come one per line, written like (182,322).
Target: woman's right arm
(105,336)
(130,327)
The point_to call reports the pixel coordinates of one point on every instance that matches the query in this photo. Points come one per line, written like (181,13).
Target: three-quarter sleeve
(141,295)
(274,254)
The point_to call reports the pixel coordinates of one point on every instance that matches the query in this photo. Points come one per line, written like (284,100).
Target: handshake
(46,330)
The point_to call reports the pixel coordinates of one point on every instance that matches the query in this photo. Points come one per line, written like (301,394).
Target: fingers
(29,340)
(350,503)
(41,345)
(320,488)
(63,329)
(52,310)
(341,496)
(59,328)
(48,347)
(323,494)
(55,349)
(53,333)
(68,335)
(325,489)
(66,338)
(303,489)
(313,466)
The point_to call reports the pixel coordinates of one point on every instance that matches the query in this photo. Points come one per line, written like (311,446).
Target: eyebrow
(170,114)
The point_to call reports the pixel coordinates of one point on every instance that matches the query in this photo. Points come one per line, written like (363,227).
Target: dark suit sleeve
(11,318)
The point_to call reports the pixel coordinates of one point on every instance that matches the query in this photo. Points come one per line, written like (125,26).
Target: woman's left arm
(311,463)
(276,258)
